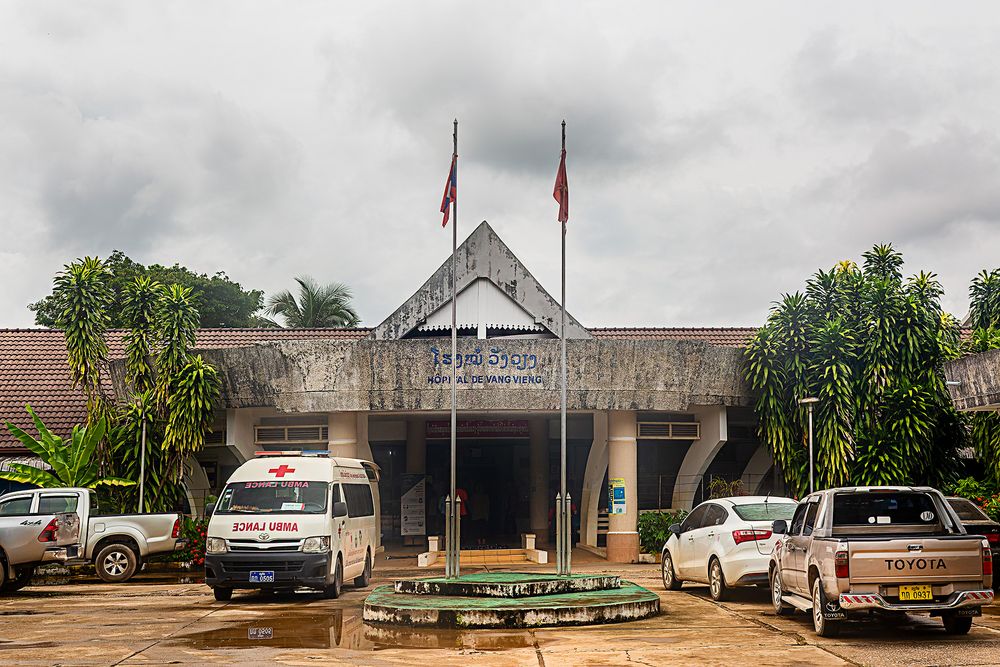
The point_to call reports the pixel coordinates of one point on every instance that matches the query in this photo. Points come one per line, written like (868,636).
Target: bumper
(61,554)
(291,568)
(852,601)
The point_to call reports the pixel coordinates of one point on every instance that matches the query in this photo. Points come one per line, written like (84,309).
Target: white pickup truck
(27,541)
(116,544)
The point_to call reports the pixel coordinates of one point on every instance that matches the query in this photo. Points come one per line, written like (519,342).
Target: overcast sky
(718,152)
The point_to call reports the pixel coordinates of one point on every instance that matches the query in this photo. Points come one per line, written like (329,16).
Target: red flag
(450,190)
(561,191)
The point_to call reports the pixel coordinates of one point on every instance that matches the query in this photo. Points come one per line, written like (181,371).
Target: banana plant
(73,462)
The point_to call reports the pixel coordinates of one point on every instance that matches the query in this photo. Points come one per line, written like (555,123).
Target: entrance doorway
(494,476)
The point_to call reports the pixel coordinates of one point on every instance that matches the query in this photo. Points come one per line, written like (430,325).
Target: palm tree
(317,306)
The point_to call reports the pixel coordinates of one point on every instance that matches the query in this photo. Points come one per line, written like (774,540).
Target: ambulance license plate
(914,593)
(262,577)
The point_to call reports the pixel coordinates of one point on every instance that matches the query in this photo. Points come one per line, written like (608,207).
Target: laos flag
(450,190)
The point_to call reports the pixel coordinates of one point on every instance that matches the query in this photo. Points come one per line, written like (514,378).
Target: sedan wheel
(670,580)
(717,581)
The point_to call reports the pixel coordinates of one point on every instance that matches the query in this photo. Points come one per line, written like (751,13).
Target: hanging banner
(413,508)
(616,495)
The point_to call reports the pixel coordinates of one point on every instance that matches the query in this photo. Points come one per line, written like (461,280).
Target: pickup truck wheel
(223,594)
(332,592)
(23,578)
(670,580)
(365,578)
(717,581)
(116,563)
(824,627)
(956,625)
(777,591)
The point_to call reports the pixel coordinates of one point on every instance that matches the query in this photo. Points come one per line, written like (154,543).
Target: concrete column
(701,453)
(539,498)
(757,467)
(240,437)
(593,481)
(416,446)
(623,535)
(344,434)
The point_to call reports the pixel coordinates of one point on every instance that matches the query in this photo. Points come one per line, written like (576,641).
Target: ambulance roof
(290,467)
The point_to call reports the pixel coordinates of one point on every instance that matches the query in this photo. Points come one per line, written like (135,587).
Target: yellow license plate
(910,593)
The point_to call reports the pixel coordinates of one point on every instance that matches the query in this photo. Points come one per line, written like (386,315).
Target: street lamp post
(809,402)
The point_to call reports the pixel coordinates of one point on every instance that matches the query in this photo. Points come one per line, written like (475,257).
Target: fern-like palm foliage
(984,294)
(73,462)
(317,306)
(870,345)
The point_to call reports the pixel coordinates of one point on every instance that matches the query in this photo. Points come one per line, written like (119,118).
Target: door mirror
(675,528)
(339,509)
(779,527)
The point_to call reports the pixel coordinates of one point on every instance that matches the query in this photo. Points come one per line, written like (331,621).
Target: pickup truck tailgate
(916,560)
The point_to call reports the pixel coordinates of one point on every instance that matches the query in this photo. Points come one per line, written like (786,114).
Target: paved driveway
(158,620)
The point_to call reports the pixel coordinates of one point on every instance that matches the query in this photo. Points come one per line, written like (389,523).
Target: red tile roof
(721,336)
(34,370)
(33,366)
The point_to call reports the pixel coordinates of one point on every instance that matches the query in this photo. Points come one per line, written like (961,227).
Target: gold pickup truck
(892,549)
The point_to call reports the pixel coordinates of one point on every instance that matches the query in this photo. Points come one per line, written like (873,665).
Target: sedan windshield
(765,511)
(274,498)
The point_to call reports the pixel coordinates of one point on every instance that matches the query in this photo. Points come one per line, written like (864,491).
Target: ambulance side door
(338,532)
(360,524)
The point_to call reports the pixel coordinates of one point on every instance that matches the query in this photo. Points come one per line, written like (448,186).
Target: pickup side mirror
(675,528)
(339,509)
(779,527)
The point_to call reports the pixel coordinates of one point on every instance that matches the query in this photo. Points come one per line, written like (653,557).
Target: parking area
(169,618)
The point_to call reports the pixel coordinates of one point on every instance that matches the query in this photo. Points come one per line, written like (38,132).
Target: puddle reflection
(344,629)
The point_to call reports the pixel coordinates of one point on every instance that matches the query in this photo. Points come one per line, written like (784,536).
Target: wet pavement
(172,618)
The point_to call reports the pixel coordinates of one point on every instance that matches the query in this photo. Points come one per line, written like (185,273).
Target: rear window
(56,504)
(274,498)
(765,511)
(884,508)
(966,510)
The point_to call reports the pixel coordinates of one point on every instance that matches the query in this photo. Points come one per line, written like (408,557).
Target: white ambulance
(293,519)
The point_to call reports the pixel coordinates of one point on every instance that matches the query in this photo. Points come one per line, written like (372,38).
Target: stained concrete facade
(974,381)
(378,397)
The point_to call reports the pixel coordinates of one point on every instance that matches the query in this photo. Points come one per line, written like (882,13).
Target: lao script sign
(495,368)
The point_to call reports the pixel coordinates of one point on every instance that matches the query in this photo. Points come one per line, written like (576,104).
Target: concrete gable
(481,256)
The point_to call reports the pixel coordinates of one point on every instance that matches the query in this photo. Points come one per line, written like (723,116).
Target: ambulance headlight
(316,545)
(216,545)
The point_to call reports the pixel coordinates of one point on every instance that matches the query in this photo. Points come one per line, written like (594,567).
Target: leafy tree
(141,303)
(870,345)
(317,306)
(176,323)
(221,301)
(73,462)
(984,293)
(193,392)
(82,297)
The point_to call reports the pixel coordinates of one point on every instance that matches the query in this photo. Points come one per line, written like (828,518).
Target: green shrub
(654,529)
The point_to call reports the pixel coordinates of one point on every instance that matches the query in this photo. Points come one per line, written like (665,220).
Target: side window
(359,500)
(717,516)
(810,520)
(336,496)
(49,504)
(16,507)
(798,519)
(695,519)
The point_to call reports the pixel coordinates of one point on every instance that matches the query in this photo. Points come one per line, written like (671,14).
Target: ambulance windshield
(274,498)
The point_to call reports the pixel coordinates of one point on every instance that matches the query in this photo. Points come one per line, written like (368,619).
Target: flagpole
(454,545)
(567,527)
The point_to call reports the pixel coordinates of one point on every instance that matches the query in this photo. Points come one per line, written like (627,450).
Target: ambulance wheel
(223,594)
(332,592)
(365,577)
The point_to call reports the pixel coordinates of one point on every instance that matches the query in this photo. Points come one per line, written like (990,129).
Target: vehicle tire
(116,563)
(956,625)
(717,581)
(332,592)
(222,594)
(365,577)
(824,627)
(3,573)
(670,580)
(23,578)
(777,590)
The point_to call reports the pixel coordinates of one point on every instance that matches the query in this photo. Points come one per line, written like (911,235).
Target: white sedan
(724,542)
